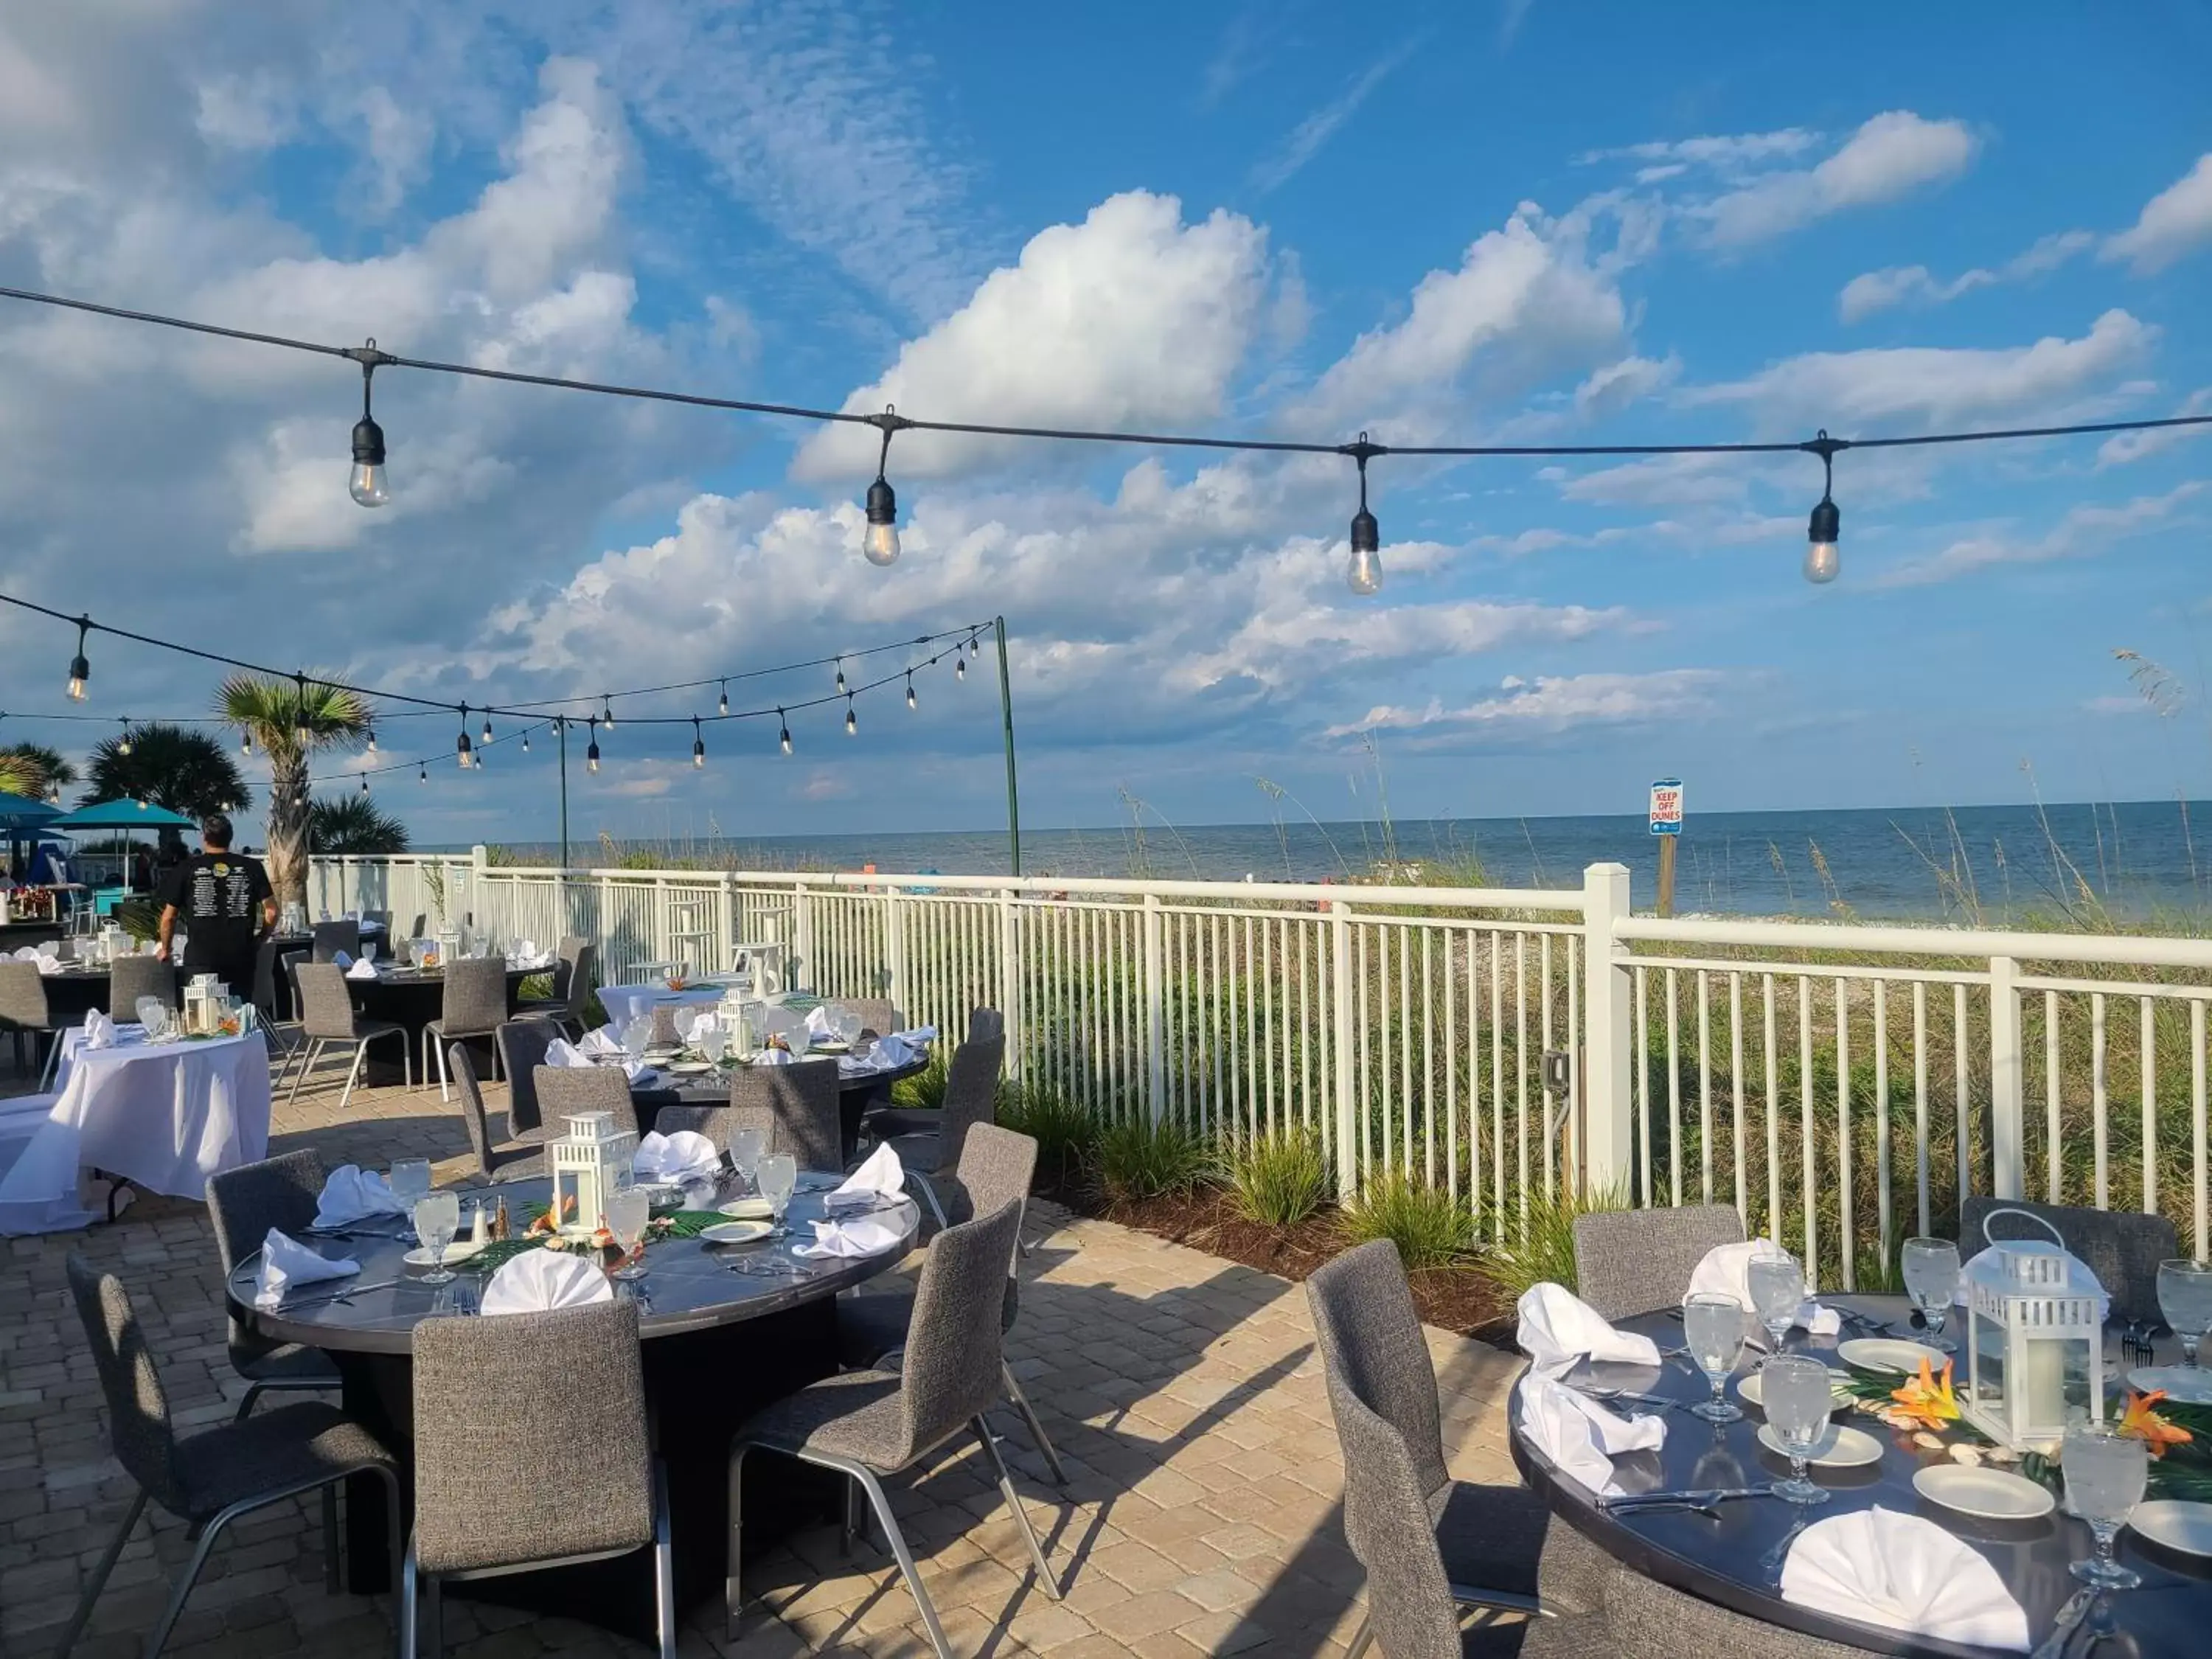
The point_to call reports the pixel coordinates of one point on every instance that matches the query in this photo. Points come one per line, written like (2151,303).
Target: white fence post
(802,932)
(1155,1036)
(1609,990)
(2007,1130)
(895,949)
(1009,978)
(1339,941)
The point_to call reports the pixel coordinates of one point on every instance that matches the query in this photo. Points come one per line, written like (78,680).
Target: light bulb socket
(368,443)
(1366,534)
(1826,524)
(592,756)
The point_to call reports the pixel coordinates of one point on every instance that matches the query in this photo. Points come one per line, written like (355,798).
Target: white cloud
(1554,704)
(1915,285)
(2123,447)
(1131,317)
(2172,222)
(1890,155)
(1306,139)
(1613,388)
(2084,531)
(1732,154)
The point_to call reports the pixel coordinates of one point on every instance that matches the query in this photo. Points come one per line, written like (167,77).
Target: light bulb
(974,646)
(372,740)
(245,743)
(852,726)
(880,543)
(1823,563)
(364,785)
(487,731)
(461,752)
(77,677)
(786,731)
(725,709)
(123,744)
(841,679)
(1363,575)
(423,776)
(592,756)
(607,713)
(960,668)
(368,484)
(525,743)
(698,752)
(53,792)
(909,692)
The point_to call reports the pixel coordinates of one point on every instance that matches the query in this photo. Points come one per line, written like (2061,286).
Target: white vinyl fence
(1843,1086)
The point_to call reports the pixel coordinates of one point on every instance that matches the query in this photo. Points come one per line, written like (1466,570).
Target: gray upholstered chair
(996,1168)
(327,1020)
(214,1477)
(929,1142)
(880,1016)
(1636,1261)
(129,978)
(573,975)
(23,1012)
(1487,1539)
(2121,1247)
(474,1006)
(566,1091)
(243,1204)
(333,937)
(522,1044)
(983,1024)
(870,1424)
(494,1162)
(1644,1619)
(577,1445)
(800,1102)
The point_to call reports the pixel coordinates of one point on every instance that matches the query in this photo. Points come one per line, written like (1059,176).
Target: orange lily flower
(2143,1422)
(1925,1401)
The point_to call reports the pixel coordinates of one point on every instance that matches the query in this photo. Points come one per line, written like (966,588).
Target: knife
(2071,1614)
(1714,1495)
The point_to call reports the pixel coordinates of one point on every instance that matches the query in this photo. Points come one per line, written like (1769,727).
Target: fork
(1772,1562)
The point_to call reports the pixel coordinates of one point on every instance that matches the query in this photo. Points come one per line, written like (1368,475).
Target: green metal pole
(561,726)
(1006,719)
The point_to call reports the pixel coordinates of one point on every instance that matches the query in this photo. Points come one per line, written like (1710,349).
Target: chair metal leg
(99,1579)
(1021,1515)
(404,1614)
(664,1564)
(187,1578)
(53,1066)
(444,1093)
(930,1193)
(359,1052)
(1362,1639)
(734,1594)
(1037,1429)
(314,1053)
(330,1538)
(908,1571)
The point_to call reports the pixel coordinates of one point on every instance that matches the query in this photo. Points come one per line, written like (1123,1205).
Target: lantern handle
(2044,1222)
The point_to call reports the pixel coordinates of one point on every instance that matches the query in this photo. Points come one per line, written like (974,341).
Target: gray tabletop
(1719,1559)
(688,1285)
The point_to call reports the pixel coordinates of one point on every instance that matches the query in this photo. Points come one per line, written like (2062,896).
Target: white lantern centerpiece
(2035,1339)
(591,1163)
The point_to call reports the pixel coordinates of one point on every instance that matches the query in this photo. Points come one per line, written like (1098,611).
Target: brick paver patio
(1183,1393)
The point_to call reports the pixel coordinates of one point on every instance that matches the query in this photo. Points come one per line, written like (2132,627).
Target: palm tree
(173,766)
(30,768)
(290,719)
(354,824)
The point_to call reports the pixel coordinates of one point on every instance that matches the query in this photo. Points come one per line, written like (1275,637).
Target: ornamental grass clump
(1430,1228)
(1138,1159)
(1277,1180)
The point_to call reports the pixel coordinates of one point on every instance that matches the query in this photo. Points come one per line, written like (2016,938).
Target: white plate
(833,1046)
(658,1056)
(1749,1388)
(460,1251)
(692,1067)
(734,1232)
(1886,1354)
(747,1209)
(1992,1494)
(2177,1525)
(1842,1448)
(2185,1385)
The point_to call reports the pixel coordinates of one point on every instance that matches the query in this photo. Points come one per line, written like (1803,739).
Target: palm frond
(354,824)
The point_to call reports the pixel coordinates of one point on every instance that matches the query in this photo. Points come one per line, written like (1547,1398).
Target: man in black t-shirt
(226,906)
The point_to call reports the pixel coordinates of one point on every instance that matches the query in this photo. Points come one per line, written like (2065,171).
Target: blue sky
(1517,223)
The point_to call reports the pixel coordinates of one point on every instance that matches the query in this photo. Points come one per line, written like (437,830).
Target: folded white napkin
(817,1021)
(901,1047)
(362,970)
(341,958)
(352,1194)
(1580,1436)
(26,953)
(537,1280)
(603,1041)
(522,950)
(863,1235)
(99,1029)
(881,1176)
(560,1052)
(1726,1271)
(1557,1327)
(1903,1573)
(687,1155)
(48,956)
(286,1262)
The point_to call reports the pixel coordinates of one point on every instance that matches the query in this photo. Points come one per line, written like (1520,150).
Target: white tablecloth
(624,1003)
(166,1115)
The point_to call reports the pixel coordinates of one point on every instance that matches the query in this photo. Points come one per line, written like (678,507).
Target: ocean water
(1999,863)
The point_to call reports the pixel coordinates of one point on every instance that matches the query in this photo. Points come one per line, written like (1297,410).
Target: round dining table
(725,1330)
(858,1091)
(1728,1559)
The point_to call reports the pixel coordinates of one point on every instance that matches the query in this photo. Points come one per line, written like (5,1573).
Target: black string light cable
(879,541)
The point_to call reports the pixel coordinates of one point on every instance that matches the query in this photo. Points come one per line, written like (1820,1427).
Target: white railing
(1842,1086)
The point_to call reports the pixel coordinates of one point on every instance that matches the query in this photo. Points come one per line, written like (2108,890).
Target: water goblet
(712,1040)
(151,1011)
(847,1025)
(1777,1285)
(2105,1472)
(1796,1395)
(628,1212)
(746,1146)
(437,1218)
(2184,1296)
(779,1176)
(410,1180)
(637,1037)
(368,951)
(1930,1267)
(687,1022)
(1712,1330)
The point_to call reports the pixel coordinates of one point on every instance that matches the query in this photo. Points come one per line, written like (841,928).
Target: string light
(725,708)
(909,689)
(123,744)
(461,752)
(80,669)
(245,743)
(299,711)
(525,740)
(879,542)
(698,745)
(785,735)
(367,485)
(975,645)
(1824,528)
(591,754)
(372,740)
(487,729)
(423,776)
(840,677)
(53,792)
(607,713)
(1363,575)
(852,725)
(364,783)
(960,668)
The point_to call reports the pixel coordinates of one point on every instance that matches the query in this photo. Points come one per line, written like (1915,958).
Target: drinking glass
(712,1040)
(2184,1296)
(779,1176)
(151,1010)
(746,1146)
(2105,1473)
(1796,1396)
(1777,1285)
(628,1211)
(1712,1330)
(847,1025)
(637,1037)
(687,1022)
(437,1218)
(410,1180)
(1930,1267)
(369,951)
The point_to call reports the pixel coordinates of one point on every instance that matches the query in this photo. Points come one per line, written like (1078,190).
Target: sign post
(1667,824)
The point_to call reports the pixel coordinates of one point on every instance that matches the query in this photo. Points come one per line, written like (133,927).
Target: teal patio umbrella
(120,815)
